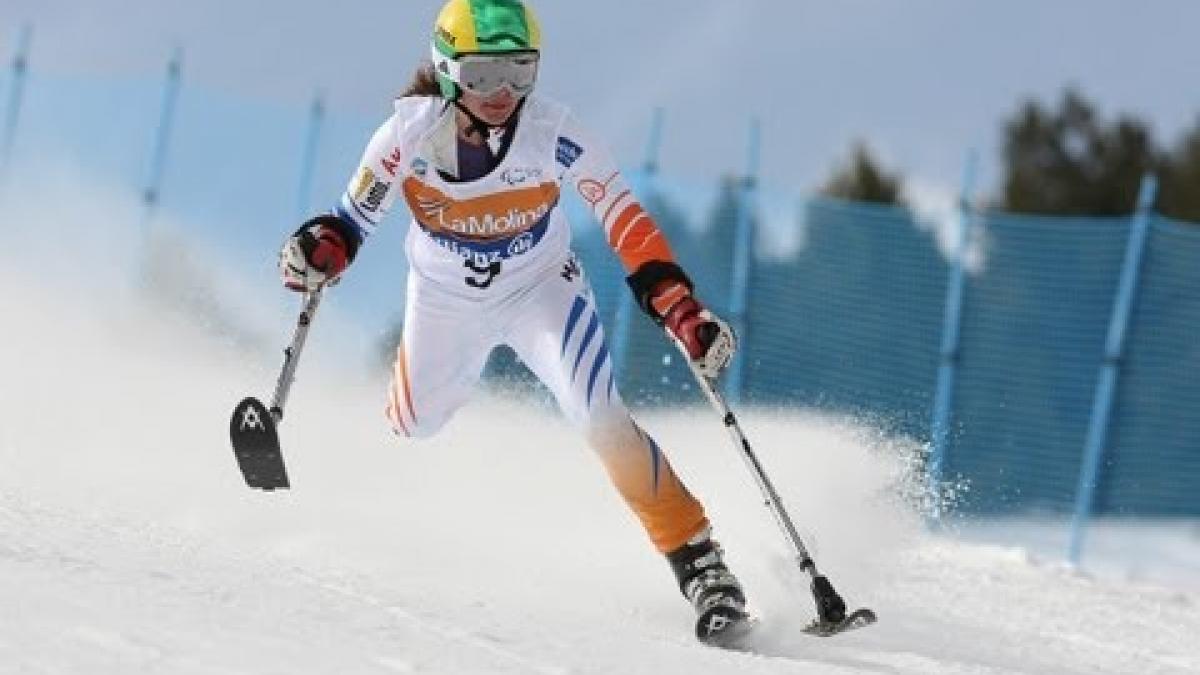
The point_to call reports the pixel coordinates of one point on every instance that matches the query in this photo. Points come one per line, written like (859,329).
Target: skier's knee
(596,416)
(605,422)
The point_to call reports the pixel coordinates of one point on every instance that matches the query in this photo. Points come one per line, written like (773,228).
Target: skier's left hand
(708,340)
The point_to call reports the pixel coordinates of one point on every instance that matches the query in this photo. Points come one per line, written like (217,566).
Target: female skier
(481,164)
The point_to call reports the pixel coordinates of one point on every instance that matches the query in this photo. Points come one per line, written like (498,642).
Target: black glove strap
(649,275)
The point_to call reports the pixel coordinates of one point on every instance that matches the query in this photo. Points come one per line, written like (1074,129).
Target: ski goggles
(484,74)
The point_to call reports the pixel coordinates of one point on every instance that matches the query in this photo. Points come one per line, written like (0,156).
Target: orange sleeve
(630,231)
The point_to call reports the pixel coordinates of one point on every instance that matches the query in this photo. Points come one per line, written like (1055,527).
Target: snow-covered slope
(129,544)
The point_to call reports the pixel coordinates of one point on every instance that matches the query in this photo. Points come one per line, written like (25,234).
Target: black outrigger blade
(256,446)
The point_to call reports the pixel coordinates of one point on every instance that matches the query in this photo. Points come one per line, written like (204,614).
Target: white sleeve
(376,182)
(580,155)
(586,166)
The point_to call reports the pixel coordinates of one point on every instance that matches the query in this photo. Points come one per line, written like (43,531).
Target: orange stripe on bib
(489,217)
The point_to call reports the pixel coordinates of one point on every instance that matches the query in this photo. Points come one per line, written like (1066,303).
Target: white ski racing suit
(490,264)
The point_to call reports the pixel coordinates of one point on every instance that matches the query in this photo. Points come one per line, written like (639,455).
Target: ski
(859,618)
(725,627)
(256,446)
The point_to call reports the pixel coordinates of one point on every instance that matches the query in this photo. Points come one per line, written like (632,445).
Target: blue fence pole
(951,332)
(312,139)
(653,143)
(743,253)
(643,185)
(158,158)
(20,66)
(1106,385)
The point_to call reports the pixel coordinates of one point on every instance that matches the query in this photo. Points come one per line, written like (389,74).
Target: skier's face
(495,108)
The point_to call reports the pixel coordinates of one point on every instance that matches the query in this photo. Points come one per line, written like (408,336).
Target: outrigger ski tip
(256,446)
(859,618)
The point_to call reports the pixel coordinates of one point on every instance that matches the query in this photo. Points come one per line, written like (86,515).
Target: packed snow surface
(129,544)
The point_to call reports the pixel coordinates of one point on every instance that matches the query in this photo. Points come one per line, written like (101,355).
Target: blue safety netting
(1153,458)
(1034,323)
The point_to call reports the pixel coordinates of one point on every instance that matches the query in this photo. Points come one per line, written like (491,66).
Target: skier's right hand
(316,254)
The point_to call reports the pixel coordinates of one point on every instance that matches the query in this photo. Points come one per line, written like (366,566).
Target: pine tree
(1179,195)
(1070,162)
(863,179)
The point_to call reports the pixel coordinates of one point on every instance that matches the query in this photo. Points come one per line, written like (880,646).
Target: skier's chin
(496,115)
(495,109)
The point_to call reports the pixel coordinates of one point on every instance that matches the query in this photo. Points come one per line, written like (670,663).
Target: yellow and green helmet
(480,27)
